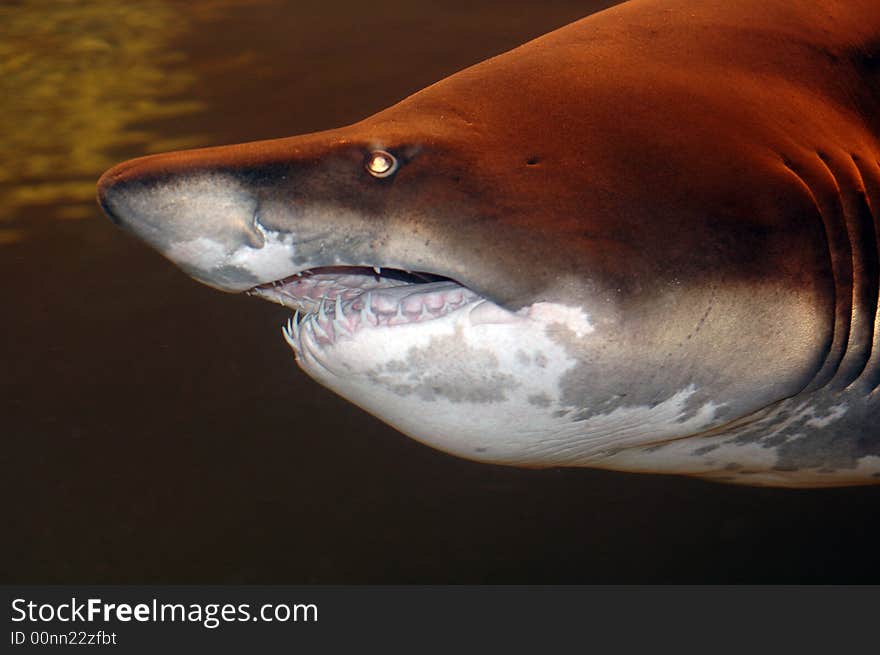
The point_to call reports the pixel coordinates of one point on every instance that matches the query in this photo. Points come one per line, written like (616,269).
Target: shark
(646,241)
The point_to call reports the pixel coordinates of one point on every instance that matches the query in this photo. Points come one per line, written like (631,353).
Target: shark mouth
(336,302)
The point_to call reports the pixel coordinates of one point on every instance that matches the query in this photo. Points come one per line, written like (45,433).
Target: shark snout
(203,218)
(162,199)
(105,186)
(110,190)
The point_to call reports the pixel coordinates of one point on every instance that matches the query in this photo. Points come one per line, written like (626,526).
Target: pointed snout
(115,188)
(158,190)
(198,210)
(118,186)
(105,193)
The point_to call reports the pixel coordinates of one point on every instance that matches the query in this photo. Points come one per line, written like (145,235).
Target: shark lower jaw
(338,303)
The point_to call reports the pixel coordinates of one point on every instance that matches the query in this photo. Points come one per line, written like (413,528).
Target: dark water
(154,430)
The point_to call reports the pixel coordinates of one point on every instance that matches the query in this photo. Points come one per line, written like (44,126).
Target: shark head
(502,267)
(408,294)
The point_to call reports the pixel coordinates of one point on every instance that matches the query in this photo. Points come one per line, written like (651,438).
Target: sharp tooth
(318,330)
(339,326)
(322,314)
(367,310)
(289,338)
(377,270)
(296,324)
(339,318)
(308,330)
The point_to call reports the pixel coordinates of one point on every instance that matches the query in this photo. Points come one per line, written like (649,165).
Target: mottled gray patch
(772,442)
(540,400)
(446,368)
(396,366)
(540,359)
(559,413)
(697,402)
(480,450)
(703,450)
(732,466)
(605,379)
(825,429)
(695,343)
(837,448)
(523,358)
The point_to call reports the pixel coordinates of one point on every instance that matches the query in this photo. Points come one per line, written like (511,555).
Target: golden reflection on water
(80,80)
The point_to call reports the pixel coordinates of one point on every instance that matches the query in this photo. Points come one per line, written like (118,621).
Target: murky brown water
(154,430)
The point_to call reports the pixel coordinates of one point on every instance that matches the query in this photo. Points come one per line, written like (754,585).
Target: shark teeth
(337,318)
(367,310)
(291,336)
(306,291)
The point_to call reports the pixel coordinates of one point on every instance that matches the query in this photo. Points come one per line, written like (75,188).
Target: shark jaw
(341,302)
(432,357)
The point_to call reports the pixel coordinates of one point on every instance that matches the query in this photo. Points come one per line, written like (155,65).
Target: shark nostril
(257,236)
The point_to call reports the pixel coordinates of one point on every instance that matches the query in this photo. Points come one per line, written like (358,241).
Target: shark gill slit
(840,269)
(868,170)
(858,230)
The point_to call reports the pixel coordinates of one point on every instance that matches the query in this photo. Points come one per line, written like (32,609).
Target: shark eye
(381,164)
